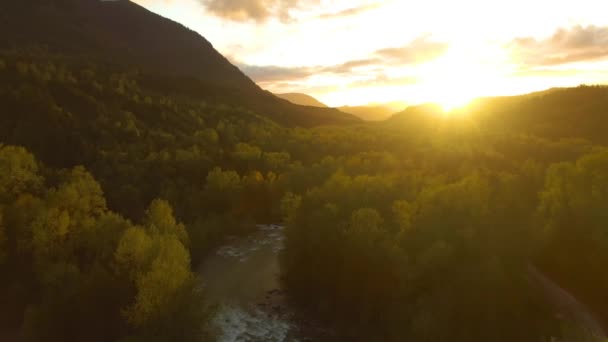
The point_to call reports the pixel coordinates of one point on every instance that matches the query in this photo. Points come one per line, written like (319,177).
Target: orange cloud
(253,10)
(419,51)
(576,44)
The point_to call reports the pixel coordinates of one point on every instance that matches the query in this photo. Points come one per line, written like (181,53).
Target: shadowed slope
(121,32)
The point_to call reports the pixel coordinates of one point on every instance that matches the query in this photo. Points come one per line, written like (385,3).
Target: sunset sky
(350,52)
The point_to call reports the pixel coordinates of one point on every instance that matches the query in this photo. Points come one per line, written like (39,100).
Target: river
(242,277)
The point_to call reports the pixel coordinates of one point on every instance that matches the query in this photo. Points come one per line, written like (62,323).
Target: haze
(357,52)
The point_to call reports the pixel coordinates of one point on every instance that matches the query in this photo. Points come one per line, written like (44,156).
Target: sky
(355,52)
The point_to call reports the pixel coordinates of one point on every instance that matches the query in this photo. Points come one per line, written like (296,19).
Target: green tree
(574,210)
(402,214)
(289,207)
(160,220)
(18,172)
(247,153)
(3,246)
(134,252)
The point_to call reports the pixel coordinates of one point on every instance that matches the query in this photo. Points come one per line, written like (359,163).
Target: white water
(241,324)
(243,278)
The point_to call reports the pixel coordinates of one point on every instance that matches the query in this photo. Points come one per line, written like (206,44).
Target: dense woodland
(118,178)
(420,227)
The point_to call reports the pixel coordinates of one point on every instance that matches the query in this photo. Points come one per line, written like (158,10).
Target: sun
(451,102)
(463,74)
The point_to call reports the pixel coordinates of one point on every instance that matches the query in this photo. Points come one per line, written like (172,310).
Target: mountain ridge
(302,99)
(528,113)
(370,112)
(124,33)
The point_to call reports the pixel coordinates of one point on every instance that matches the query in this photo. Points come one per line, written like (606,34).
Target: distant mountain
(557,113)
(419,118)
(302,100)
(371,112)
(123,33)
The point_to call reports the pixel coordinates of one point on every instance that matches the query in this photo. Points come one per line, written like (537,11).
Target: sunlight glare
(463,74)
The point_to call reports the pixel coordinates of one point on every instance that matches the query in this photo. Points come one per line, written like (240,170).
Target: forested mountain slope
(119,31)
(560,113)
(371,112)
(125,34)
(302,99)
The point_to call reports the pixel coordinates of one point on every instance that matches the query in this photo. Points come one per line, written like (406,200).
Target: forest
(115,183)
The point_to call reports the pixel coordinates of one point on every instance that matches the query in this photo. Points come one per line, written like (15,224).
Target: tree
(365,223)
(222,189)
(402,213)
(574,211)
(134,252)
(157,285)
(289,207)
(160,220)
(18,172)
(3,246)
(169,301)
(68,221)
(247,153)
(276,161)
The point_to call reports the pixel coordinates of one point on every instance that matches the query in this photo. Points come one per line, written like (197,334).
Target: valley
(138,163)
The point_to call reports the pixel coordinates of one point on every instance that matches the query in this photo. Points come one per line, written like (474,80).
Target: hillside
(302,100)
(558,113)
(118,31)
(370,112)
(125,34)
(579,112)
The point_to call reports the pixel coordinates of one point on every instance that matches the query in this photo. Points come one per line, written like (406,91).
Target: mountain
(126,34)
(372,112)
(557,113)
(302,100)
(118,31)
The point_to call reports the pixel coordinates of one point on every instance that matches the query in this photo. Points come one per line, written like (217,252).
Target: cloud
(271,73)
(349,66)
(384,80)
(545,72)
(576,44)
(253,10)
(419,50)
(262,10)
(281,88)
(350,11)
